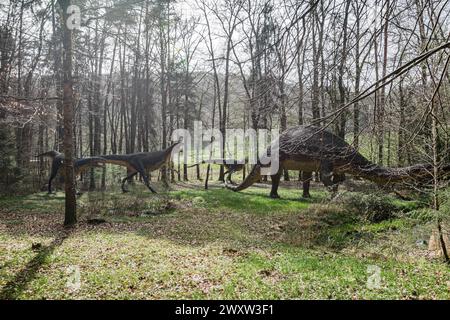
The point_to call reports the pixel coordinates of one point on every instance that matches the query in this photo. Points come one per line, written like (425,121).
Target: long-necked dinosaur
(309,148)
(79,165)
(141,162)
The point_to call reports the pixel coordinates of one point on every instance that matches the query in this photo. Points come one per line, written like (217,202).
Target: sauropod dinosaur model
(310,148)
(142,162)
(79,165)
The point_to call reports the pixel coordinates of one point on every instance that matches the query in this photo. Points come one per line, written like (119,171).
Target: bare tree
(70,217)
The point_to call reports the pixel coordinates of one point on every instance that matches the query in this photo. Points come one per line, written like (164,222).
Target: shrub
(422,214)
(445,203)
(372,207)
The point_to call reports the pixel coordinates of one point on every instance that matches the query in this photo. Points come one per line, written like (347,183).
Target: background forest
(116,77)
(144,68)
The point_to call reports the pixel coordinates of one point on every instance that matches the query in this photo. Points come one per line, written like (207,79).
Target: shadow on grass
(18,284)
(196,217)
(38,202)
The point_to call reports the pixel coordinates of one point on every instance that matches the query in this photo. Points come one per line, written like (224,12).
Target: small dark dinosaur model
(79,165)
(231,166)
(310,148)
(142,162)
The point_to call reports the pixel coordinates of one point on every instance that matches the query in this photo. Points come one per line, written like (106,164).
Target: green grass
(253,200)
(36,202)
(191,243)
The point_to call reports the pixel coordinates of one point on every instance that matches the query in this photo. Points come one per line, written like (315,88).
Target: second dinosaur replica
(142,162)
(310,148)
(231,166)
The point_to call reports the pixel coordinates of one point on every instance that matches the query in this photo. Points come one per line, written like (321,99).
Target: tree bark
(70,217)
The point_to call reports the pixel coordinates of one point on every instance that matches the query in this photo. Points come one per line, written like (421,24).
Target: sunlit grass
(192,243)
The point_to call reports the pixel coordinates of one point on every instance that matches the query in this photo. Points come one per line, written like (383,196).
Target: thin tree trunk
(343,117)
(70,217)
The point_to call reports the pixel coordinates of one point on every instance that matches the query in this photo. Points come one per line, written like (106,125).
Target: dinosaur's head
(254,176)
(174,149)
(176,146)
(180,140)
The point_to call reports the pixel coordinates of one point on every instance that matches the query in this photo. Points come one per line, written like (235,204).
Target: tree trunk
(70,217)
(382,105)
(343,117)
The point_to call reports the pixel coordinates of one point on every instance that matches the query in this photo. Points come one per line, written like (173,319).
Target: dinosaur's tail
(220,161)
(196,164)
(83,164)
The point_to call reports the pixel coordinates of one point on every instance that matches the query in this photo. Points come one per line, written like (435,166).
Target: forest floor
(214,244)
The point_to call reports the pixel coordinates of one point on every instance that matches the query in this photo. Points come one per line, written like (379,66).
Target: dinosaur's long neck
(168,151)
(360,166)
(254,176)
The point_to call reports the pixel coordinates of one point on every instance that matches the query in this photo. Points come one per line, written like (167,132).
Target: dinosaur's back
(316,143)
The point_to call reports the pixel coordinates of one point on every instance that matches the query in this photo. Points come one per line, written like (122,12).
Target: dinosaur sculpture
(310,148)
(79,165)
(231,166)
(141,163)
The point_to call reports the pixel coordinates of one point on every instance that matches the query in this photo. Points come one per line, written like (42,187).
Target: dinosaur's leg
(141,169)
(53,174)
(275,183)
(78,192)
(326,175)
(229,175)
(50,183)
(337,179)
(306,181)
(147,183)
(131,175)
